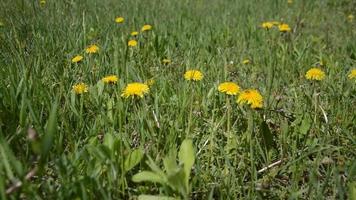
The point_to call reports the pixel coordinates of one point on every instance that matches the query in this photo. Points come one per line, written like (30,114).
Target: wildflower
(80,88)
(284,28)
(42,2)
(119,20)
(352,74)
(77,59)
(92,49)
(267,25)
(229,88)
(111,79)
(251,97)
(166,61)
(194,75)
(290,1)
(315,74)
(150,82)
(350,17)
(146,28)
(135,89)
(132,43)
(134,33)
(246,61)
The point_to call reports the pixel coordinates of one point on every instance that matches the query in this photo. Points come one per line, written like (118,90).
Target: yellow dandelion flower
(246,61)
(134,33)
(111,79)
(290,1)
(146,28)
(352,74)
(132,43)
(42,2)
(229,88)
(284,28)
(77,59)
(166,61)
(92,49)
(150,82)
(80,88)
(267,25)
(135,89)
(194,75)
(119,20)
(315,74)
(251,97)
(350,17)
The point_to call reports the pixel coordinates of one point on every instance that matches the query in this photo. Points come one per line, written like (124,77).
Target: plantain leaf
(187,158)
(133,159)
(148,176)
(170,163)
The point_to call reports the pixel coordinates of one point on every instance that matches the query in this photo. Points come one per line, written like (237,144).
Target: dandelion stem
(228,114)
(315,103)
(250,138)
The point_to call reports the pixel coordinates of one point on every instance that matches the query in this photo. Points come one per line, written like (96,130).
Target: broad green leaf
(154,167)
(305,125)
(177,181)
(352,190)
(170,163)
(100,86)
(148,176)
(267,136)
(51,128)
(133,159)
(109,140)
(187,157)
(153,197)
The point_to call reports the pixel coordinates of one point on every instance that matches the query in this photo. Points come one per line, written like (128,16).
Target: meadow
(177,99)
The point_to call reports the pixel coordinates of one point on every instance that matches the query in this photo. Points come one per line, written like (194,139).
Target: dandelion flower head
(135,89)
(284,28)
(146,28)
(166,61)
(315,74)
(92,49)
(194,75)
(134,33)
(132,43)
(77,59)
(111,79)
(267,25)
(352,74)
(229,88)
(119,20)
(246,61)
(251,97)
(80,88)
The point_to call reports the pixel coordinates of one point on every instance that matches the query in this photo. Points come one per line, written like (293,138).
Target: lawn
(177,99)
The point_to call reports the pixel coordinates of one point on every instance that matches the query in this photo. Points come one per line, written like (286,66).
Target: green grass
(78,146)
